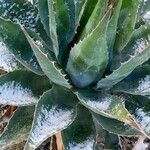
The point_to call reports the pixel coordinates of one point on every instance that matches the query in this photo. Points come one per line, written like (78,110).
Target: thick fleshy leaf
(18,127)
(104,139)
(88,59)
(139,107)
(20,11)
(143,13)
(52,27)
(98,12)
(139,41)
(105,104)
(7,60)
(137,83)
(43,12)
(55,111)
(127,20)
(81,133)
(115,126)
(90,5)
(47,63)
(11,34)
(21,88)
(112,26)
(125,69)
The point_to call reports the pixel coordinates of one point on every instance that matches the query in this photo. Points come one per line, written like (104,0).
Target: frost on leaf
(85,145)
(143,119)
(144,84)
(12,93)
(7,60)
(20,12)
(140,45)
(146,17)
(49,122)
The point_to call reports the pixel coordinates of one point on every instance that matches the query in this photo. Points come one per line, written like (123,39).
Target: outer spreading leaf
(21,88)
(17,44)
(115,126)
(89,57)
(125,69)
(105,104)
(143,13)
(139,107)
(18,127)
(137,83)
(97,14)
(139,41)
(127,22)
(20,10)
(55,111)
(7,60)
(105,140)
(81,133)
(49,67)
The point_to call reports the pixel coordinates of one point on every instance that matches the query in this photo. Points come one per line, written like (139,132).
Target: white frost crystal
(12,93)
(7,60)
(144,84)
(85,145)
(143,119)
(48,122)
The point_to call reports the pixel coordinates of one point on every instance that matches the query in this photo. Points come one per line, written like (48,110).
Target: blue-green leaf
(18,127)
(125,69)
(140,111)
(21,88)
(88,59)
(14,39)
(104,139)
(127,20)
(81,133)
(55,111)
(98,12)
(47,63)
(115,126)
(8,61)
(105,104)
(137,83)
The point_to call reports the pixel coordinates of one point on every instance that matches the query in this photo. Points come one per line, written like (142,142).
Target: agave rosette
(76,66)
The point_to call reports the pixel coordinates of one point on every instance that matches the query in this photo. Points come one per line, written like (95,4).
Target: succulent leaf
(10,35)
(125,69)
(115,126)
(98,12)
(8,61)
(88,59)
(127,20)
(143,13)
(81,133)
(21,88)
(139,40)
(55,111)
(49,67)
(105,104)
(105,140)
(44,16)
(20,11)
(137,83)
(112,26)
(18,127)
(140,113)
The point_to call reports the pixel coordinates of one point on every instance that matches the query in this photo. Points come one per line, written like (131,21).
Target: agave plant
(76,66)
